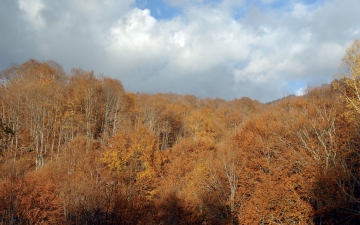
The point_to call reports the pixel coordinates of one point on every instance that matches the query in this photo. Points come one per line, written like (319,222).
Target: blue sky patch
(159,9)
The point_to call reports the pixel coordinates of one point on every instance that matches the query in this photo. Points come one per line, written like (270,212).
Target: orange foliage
(78,149)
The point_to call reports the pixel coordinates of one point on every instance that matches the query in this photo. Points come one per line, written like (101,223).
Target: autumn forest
(76,148)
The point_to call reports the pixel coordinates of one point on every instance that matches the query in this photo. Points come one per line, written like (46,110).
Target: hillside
(78,149)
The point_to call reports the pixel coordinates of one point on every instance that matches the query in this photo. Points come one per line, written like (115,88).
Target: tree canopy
(78,149)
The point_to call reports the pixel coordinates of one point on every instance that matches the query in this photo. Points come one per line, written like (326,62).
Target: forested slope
(77,149)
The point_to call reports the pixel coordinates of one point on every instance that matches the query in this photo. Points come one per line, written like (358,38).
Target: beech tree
(116,104)
(87,101)
(348,84)
(133,158)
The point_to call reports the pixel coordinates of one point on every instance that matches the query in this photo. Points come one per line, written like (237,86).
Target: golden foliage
(82,151)
(348,83)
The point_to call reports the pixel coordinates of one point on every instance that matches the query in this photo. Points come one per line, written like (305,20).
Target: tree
(132,157)
(115,105)
(348,90)
(349,83)
(87,103)
(30,106)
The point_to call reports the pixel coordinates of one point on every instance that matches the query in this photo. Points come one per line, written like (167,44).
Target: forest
(76,148)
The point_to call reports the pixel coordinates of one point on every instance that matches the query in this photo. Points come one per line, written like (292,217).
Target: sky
(262,49)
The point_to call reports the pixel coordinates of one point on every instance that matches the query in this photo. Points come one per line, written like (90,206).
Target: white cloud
(301,11)
(301,91)
(178,49)
(134,31)
(179,39)
(225,48)
(32,10)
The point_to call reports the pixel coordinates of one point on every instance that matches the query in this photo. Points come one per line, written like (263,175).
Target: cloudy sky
(264,49)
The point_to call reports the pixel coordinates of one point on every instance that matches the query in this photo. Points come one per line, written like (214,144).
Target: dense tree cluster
(77,149)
